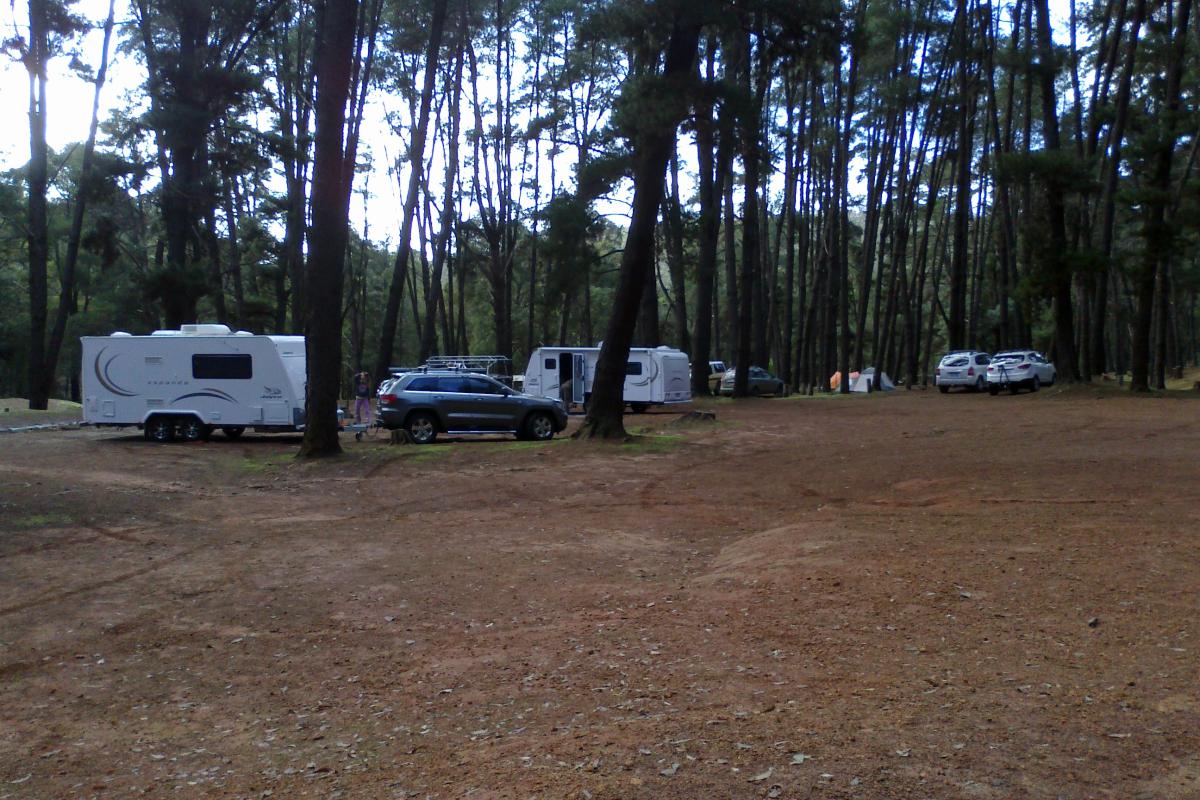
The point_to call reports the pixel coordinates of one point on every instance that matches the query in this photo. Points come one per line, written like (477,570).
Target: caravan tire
(421,427)
(639,408)
(159,429)
(191,429)
(233,434)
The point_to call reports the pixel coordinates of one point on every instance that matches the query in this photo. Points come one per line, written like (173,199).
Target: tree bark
(709,223)
(37,236)
(1059,265)
(330,229)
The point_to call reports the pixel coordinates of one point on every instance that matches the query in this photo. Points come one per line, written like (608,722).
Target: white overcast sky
(70,101)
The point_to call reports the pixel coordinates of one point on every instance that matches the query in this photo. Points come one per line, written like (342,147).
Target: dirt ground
(901,596)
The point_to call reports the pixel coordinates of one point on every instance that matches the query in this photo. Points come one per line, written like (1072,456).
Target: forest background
(852,183)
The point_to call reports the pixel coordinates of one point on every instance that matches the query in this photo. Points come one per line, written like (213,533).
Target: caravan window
(550,364)
(226,366)
(633,368)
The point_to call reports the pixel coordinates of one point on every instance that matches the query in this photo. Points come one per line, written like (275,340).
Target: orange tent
(835,380)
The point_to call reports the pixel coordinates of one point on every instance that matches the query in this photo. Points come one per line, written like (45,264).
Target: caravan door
(578,376)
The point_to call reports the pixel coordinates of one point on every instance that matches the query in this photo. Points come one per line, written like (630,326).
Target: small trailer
(187,383)
(653,375)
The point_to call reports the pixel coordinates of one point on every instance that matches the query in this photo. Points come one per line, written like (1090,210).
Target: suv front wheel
(539,426)
(421,427)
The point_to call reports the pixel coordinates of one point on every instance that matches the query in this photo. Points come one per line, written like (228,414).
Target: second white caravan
(653,375)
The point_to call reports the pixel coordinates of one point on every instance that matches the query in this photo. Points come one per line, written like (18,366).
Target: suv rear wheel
(421,427)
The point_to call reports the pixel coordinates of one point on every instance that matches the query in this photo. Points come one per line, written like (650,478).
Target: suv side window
(453,384)
(423,385)
(981,359)
(480,386)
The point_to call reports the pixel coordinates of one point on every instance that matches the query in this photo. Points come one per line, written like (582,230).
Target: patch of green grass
(52,519)
(266,462)
(519,445)
(15,412)
(653,444)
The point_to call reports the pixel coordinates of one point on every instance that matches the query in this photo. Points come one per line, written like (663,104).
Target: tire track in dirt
(91,587)
(119,536)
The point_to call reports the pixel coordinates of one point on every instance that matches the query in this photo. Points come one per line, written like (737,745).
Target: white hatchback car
(967,368)
(1014,369)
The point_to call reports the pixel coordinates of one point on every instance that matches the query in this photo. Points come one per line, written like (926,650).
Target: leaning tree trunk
(652,149)
(416,162)
(327,245)
(67,278)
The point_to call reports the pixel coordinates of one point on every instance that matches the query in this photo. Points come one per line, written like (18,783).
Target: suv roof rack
(498,367)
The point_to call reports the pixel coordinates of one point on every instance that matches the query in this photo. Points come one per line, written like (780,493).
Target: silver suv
(966,368)
(430,402)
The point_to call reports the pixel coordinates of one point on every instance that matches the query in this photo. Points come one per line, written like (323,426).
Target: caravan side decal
(215,393)
(103,377)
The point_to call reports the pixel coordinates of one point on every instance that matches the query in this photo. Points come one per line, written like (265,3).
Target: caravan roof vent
(205,329)
(121,333)
(167,333)
(243,333)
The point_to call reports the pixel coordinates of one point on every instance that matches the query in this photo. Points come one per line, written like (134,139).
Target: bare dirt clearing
(904,596)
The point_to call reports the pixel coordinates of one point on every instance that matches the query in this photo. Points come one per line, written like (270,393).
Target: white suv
(1014,369)
(967,368)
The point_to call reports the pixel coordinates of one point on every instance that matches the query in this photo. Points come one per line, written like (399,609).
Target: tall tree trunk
(673,229)
(37,235)
(1059,263)
(709,223)
(956,333)
(652,150)
(75,237)
(1157,233)
(441,250)
(1112,168)
(330,229)
(416,164)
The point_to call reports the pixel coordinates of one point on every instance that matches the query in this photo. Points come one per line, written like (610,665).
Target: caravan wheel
(159,429)
(192,429)
(233,433)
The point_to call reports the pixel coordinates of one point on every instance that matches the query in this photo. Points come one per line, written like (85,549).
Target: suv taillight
(937,371)
(1024,366)
(970,370)
(387,399)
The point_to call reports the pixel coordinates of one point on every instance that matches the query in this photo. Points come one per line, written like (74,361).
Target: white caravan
(653,375)
(186,383)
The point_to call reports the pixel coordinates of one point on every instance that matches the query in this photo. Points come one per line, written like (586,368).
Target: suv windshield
(955,361)
(1008,357)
